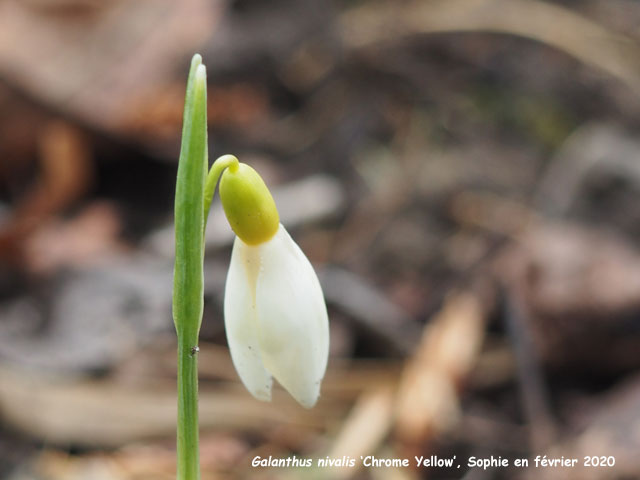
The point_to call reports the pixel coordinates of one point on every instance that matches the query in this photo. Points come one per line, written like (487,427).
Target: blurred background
(464,174)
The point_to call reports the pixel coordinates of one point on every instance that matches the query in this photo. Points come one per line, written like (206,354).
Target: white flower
(276,319)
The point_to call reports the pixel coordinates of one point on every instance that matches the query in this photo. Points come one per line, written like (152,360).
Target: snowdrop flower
(275,316)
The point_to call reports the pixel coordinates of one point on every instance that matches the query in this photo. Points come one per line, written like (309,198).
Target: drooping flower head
(275,316)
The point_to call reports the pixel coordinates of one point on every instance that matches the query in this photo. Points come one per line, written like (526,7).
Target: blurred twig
(533,390)
(370,308)
(427,401)
(552,25)
(593,149)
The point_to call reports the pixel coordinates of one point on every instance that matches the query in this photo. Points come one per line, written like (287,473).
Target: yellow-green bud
(248,204)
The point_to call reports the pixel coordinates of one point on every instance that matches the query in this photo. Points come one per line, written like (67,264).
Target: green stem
(194,194)
(188,275)
(188,441)
(212,179)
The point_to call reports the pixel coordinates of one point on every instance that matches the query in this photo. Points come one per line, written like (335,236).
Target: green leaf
(188,281)
(189,207)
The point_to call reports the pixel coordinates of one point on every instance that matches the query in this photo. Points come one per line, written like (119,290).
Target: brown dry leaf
(64,175)
(219,453)
(67,409)
(492,212)
(427,401)
(20,123)
(90,235)
(564,268)
(102,413)
(580,286)
(568,269)
(93,62)
(54,465)
(363,430)
(609,426)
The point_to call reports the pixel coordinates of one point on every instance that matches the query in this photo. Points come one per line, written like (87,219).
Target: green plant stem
(212,179)
(194,194)
(188,273)
(188,439)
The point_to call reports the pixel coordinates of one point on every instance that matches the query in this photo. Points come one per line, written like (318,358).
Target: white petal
(240,320)
(292,318)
